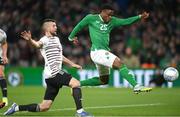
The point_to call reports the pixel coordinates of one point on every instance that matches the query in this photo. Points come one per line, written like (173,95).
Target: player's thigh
(1,71)
(117,63)
(103,57)
(54,84)
(52,89)
(64,78)
(103,71)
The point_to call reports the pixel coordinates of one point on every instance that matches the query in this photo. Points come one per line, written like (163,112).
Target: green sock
(125,73)
(95,81)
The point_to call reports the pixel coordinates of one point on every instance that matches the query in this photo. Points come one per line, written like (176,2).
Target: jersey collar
(101,18)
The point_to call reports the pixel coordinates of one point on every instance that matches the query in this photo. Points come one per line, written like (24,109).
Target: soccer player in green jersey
(100,26)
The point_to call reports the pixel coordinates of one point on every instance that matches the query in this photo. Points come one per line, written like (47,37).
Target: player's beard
(108,20)
(54,33)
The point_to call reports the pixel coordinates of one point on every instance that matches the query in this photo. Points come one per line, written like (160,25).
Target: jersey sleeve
(127,21)
(43,40)
(84,22)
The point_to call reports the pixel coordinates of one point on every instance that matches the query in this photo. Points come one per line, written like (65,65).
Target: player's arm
(26,35)
(4,52)
(69,62)
(84,22)
(131,20)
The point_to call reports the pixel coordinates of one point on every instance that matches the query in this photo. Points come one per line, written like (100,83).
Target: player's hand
(26,35)
(77,66)
(144,15)
(5,60)
(75,41)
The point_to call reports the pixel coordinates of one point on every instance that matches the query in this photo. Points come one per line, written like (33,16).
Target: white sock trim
(17,108)
(80,110)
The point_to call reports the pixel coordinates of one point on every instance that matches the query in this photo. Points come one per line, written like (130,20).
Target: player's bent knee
(44,109)
(117,63)
(45,105)
(74,83)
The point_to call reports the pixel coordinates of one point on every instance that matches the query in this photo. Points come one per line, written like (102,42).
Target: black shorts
(55,83)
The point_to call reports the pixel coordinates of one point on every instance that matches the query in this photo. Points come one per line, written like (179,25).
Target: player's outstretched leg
(129,76)
(125,73)
(95,81)
(11,109)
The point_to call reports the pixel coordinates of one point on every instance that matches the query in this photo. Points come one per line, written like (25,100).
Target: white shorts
(103,60)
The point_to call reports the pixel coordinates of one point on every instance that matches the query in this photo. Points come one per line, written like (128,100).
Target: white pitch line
(113,106)
(102,107)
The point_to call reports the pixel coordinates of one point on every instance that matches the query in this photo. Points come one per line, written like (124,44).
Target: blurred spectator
(13,54)
(132,61)
(134,42)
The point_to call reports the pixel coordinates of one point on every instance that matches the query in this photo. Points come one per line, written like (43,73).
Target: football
(170,74)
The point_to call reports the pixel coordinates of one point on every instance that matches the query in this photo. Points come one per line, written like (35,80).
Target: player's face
(107,15)
(53,28)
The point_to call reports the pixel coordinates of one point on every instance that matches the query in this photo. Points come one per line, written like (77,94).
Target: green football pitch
(101,101)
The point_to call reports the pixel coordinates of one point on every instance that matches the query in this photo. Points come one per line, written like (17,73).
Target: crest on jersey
(97,21)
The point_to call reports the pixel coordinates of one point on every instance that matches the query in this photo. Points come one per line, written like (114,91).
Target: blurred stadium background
(146,47)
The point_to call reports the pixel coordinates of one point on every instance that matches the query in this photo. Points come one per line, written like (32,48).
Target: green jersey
(99,30)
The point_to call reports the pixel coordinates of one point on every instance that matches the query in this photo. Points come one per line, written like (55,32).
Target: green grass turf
(101,101)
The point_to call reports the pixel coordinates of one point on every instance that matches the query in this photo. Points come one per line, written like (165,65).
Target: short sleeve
(44,41)
(3,36)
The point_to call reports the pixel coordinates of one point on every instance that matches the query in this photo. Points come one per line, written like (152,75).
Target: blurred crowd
(154,43)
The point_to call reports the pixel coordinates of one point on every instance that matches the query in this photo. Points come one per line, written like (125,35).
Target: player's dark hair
(49,20)
(107,6)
